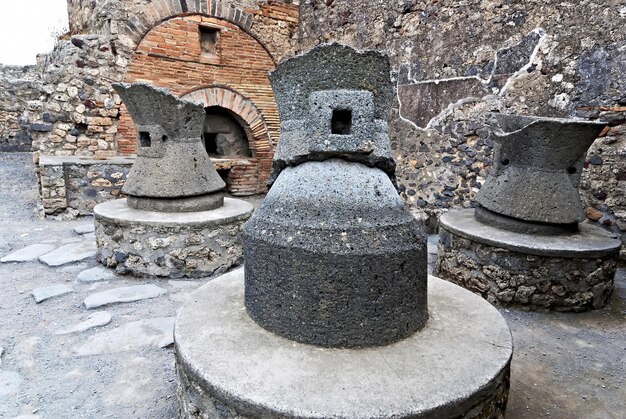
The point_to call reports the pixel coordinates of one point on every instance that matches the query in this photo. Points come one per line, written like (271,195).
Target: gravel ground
(564,366)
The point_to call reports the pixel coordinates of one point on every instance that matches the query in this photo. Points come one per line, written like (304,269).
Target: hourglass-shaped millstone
(172,172)
(536,170)
(333,258)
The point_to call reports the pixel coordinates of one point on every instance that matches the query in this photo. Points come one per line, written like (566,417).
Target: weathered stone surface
(332,256)
(123,295)
(187,204)
(97,319)
(148,243)
(99,273)
(351,262)
(537,167)
(19,89)
(44,293)
(28,253)
(10,382)
(340,116)
(171,160)
(69,253)
(157,332)
(522,52)
(228,367)
(423,101)
(572,272)
(84,228)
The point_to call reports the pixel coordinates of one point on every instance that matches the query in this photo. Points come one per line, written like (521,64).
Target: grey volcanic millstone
(310,88)
(537,168)
(334,259)
(172,172)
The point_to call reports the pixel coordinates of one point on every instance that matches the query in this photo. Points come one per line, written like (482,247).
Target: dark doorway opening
(223,134)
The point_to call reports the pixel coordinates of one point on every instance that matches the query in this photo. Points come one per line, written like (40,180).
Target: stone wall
(78,107)
(454,62)
(273,22)
(79,114)
(19,88)
(74,185)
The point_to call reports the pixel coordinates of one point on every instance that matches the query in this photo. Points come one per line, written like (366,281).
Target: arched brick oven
(246,175)
(215,59)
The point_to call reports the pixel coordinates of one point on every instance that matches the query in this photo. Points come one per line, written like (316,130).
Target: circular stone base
(187,204)
(567,272)
(190,244)
(229,367)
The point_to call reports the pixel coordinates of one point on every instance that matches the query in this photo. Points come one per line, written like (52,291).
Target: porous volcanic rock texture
(456,61)
(536,282)
(170,249)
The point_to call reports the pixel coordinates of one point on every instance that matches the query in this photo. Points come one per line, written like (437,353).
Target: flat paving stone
(9,382)
(85,228)
(43,293)
(158,332)
(99,273)
(97,319)
(69,253)
(26,254)
(184,284)
(433,242)
(123,295)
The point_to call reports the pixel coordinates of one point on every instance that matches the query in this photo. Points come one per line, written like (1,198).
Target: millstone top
(333,258)
(537,168)
(333,102)
(172,172)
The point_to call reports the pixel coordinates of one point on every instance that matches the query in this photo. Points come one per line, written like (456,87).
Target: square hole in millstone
(341,121)
(144,139)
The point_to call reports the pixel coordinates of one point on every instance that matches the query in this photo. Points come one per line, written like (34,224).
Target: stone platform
(148,243)
(562,272)
(228,366)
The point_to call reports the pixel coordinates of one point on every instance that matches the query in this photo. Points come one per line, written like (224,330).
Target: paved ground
(565,365)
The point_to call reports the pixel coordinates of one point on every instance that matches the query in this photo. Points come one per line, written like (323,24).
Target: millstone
(172,172)
(332,256)
(536,170)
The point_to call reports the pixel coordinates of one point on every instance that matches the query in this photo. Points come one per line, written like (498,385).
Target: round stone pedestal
(189,244)
(230,367)
(565,272)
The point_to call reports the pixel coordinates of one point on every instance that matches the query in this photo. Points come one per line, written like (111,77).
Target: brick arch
(158,11)
(170,56)
(244,110)
(247,175)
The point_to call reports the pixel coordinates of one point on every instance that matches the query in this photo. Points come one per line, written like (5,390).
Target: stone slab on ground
(432,244)
(99,273)
(97,319)
(28,253)
(10,382)
(148,332)
(85,228)
(69,253)
(44,293)
(457,365)
(123,295)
